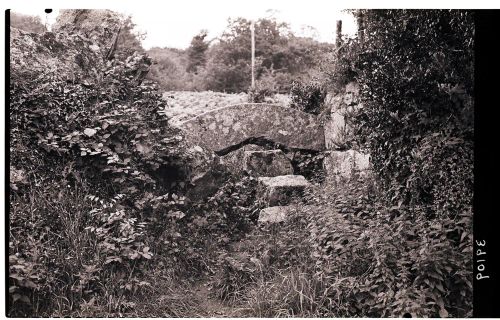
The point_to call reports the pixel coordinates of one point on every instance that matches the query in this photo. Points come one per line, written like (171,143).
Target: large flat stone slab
(274,214)
(281,190)
(336,131)
(268,163)
(282,213)
(223,128)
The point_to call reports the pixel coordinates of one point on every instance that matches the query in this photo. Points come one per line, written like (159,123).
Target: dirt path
(212,307)
(181,300)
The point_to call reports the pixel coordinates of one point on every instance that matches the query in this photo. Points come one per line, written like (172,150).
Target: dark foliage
(416,77)
(308,97)
(415,70)
(197,52)
(88,142)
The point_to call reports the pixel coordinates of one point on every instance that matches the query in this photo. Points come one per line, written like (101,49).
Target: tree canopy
(27,22)
(224,64)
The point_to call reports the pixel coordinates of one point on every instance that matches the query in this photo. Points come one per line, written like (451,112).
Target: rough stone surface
(282,213)
(273,214)
(222,128)
(351,94)
(184,105)
(268,163)
(345,164)
(233,161)
(281,190)
(207,174)
(337,129)
(352,87)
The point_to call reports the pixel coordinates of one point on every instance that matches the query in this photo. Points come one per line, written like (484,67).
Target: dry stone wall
(341,162)
(342,106)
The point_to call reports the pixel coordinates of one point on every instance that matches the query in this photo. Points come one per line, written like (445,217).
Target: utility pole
(47,11)
(338,38)
(252,29)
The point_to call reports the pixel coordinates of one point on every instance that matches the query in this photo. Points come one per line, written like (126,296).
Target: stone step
(282,213)
(281,190)
(267,163)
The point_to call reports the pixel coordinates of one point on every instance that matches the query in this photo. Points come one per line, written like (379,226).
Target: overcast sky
(175,25)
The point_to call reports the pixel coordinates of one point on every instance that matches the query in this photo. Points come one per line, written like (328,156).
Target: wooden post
(338,38)
(361,29)
(252,29)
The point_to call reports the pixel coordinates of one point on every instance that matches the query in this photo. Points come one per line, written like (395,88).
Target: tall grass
(299,292)
(55,262)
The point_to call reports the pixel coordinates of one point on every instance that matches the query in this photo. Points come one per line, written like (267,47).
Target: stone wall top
(228,126)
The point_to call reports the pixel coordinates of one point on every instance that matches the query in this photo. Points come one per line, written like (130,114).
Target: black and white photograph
(261,159)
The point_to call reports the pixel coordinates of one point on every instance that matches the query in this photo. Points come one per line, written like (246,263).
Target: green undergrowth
(349,255)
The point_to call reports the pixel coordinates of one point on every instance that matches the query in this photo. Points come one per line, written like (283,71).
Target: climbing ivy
(89,144)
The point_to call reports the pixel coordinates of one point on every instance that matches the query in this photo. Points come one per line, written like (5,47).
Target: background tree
(27,22)
(281,56)
(87,22)
(169,70)
(129,40)
(196,52)
(224,64)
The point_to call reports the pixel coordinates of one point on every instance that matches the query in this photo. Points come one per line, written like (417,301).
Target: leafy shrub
(401,265)
(259,95)
(349,255)
(412,110)
(232,210)
(308,97)
(343,66)
(67,246)
(417,117)
(265,88)
(84,125)
(309,165)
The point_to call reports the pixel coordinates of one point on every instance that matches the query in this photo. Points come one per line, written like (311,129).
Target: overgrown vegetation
(350,255)
(402,245)
(308,97)
(101,222)
(416,76)
(89,152)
